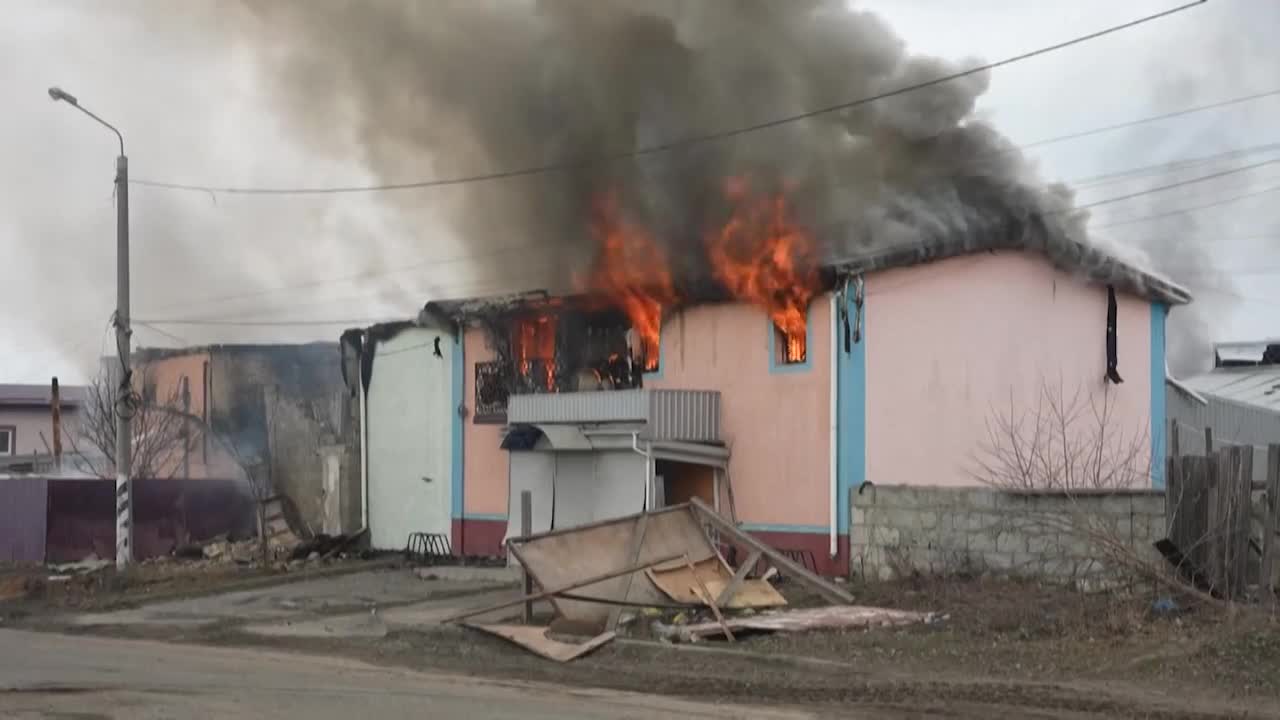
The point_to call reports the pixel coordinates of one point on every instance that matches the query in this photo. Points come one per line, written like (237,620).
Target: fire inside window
(791,348)
(533,349)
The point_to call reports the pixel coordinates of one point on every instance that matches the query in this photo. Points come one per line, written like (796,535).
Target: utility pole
(126,399)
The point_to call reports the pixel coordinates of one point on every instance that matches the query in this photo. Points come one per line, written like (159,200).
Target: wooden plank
(1208,442)
(727,594)
(1271,522)
(549,593)
(1219,466)
(535,640)
(750,594)
(1243,518)
(715,609)
(526,527)
(633,555)
(792,569)
(1175,449)
(679,583)
(1175,491)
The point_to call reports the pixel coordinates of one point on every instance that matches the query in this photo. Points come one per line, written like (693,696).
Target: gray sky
(193,109)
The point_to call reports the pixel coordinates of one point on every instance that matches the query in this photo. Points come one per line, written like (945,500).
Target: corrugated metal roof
(1256,386)
(31,395)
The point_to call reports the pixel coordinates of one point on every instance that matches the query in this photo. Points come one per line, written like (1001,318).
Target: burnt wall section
(276,406)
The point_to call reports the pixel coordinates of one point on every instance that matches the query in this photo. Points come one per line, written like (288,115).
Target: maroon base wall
(166,513)
(479,537)
(22,520)
(817,544)
(484,538)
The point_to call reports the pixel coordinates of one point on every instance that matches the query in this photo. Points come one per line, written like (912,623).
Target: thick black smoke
(461,87)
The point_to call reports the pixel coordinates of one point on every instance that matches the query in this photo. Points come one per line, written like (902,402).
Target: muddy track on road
(827,688)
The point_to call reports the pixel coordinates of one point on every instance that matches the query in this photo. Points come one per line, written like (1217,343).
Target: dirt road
(53,676)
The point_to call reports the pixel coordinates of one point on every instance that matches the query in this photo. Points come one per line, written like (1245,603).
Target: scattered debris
(222,550)
(91,563)
(681,584)
(280,536)
(557,591)
(842,617)
(13,587)
(536,641)
(732,534)
(564,558)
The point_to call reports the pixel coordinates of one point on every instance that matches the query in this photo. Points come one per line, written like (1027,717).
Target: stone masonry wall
(899,529)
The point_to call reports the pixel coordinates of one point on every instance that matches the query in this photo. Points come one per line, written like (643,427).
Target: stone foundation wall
(898,529)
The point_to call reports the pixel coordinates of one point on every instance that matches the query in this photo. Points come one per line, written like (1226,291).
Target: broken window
(533,349)
(790,347)
(491,393)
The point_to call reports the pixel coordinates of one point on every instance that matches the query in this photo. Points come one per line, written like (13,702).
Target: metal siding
(1258,386)
(688,415)
(24,502)
(1232,423)
(410,415)
(578,407)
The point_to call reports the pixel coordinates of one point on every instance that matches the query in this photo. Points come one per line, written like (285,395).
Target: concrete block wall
(896,529)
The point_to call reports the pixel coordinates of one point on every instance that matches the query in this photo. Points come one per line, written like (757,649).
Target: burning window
(533,350)
(791,347)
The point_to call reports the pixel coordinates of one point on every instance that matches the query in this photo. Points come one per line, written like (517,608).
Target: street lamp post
(124,406)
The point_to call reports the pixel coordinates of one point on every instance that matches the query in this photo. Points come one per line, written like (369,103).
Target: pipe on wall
(364,448)
(833,470)
(648,465)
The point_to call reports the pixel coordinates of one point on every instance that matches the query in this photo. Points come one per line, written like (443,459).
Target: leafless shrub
(162,432)
(1066,441)
(1075,443)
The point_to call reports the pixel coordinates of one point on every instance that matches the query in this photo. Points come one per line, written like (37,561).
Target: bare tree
(163,432)
(1066,441)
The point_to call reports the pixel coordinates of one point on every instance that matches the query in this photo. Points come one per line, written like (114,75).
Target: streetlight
(123,409)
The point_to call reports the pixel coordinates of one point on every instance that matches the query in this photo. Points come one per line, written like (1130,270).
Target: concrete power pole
(124,407)
(125,401)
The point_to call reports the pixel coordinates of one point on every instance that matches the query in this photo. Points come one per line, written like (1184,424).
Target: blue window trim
(458,369)
(776,367)
(851,414)
(1159,314)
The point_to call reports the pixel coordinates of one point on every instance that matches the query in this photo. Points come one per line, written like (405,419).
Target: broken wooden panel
(680,584)
(842,617)
(535,640)
(561,557)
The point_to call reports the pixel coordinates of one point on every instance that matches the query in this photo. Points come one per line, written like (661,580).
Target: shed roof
(1256,386)
(40,395)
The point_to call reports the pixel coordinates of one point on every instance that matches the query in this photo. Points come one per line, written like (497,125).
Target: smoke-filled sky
(292,93)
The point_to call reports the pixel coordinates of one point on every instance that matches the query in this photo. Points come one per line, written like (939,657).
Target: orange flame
(762,256)
(632,273)
(535,339)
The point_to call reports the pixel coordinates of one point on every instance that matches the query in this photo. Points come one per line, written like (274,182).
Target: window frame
(776,362)
(12,432)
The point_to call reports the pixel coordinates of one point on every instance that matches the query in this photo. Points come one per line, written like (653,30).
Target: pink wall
(484,462)
(949,343)
(776,424)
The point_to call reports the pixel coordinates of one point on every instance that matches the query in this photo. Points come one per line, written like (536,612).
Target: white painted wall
(410,411)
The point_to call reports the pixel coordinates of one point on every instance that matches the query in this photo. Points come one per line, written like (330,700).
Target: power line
(671,145)
(1181,183)
(1150,119)
(1158,168)
(350,322)
(1187,210)
(529,277)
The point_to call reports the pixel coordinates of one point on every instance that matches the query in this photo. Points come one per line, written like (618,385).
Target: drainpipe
(648,463)
(833,425)
(364,443)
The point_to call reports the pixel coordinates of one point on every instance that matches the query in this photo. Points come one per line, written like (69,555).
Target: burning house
(748,297)
(773,387)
